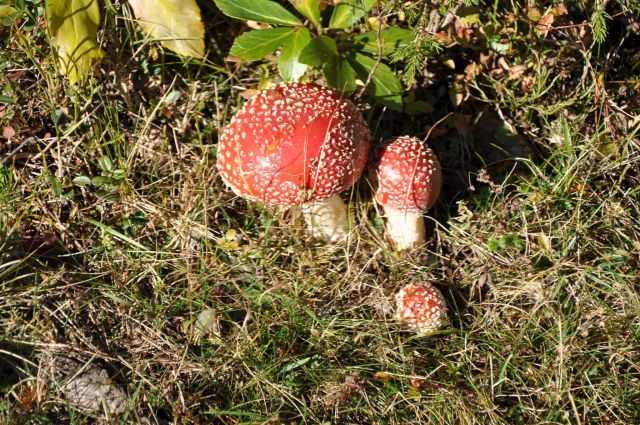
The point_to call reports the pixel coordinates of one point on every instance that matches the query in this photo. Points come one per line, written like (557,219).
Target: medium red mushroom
(421,307)
(409,182)
(297,144)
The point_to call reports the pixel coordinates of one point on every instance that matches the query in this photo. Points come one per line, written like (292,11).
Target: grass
(116,234)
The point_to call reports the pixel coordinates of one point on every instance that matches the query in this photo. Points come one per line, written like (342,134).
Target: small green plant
(107,183)
(599,16)
(325,40)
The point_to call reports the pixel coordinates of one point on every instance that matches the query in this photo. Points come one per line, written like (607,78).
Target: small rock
(87,387)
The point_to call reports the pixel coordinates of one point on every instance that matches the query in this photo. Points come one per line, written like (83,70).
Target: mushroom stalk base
(405,229)
(327,220)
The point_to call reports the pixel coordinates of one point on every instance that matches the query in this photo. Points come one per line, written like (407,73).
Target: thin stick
(26,142)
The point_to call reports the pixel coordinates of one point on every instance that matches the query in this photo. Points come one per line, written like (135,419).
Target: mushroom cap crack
(293,143)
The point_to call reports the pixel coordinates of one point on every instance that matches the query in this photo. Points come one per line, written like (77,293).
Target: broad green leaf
(384,85)
(7,13)
(265,11)
(318,51)
(494,44)
(348,12)
(309,8)
(105,164)
(73,25)
(339,74)
(256,44)
(6,100)
(391,39)
(82,181)
(290,67)
(174,23)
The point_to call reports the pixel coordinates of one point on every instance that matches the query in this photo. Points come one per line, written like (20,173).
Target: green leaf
(73,25)
(56,186)
(105,164)
(318,51)
(82,181)
(348,12)
(100,180)
(265,11)
(384,85)
(7,13)
(295,364)
(175,23)
(309,8)
(290,67)
(256,44)
(173,97)
(391,39)
(495,44)
(339,74)
(117,174)
(6,100)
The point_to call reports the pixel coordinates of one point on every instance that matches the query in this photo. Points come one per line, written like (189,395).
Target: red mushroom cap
(293,143)
(409,175)
(421,307)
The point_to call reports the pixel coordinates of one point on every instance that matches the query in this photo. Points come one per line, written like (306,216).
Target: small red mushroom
(297,144)
(409,182)
(421,307)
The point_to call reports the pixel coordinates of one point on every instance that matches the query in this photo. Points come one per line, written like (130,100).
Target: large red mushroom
(297,144)
(409,183)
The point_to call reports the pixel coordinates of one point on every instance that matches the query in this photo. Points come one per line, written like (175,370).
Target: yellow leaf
(73,25)
(6,12)
(175,23)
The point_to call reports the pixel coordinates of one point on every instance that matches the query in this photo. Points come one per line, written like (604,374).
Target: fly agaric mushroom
(409,179)
(421,307)
(297,144)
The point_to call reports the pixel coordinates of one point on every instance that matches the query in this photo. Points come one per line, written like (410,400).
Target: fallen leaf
(528,82)
(544,25)
(560,10)
(382,376)
(544,242)
(175,23)
(471,71)
(8,132)
(457,93)
(207,323)
(502,63)
(516,72)
(443,37)
(15,76)
(248,94)
(73,25)
(533,14)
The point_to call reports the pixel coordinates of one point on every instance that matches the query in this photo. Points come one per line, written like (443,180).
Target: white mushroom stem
(405,229)
(327,220)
